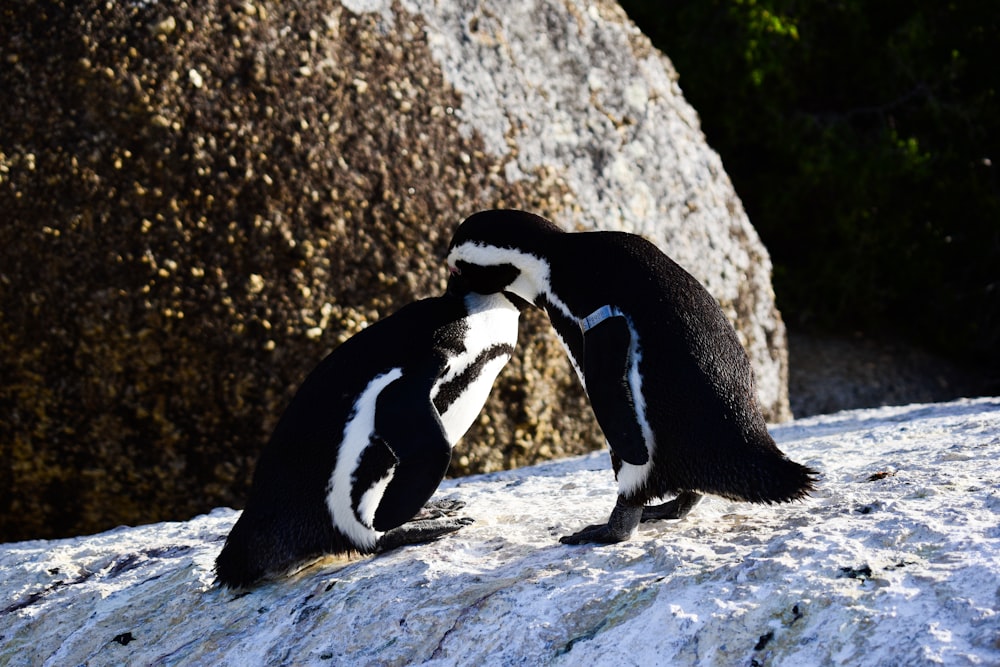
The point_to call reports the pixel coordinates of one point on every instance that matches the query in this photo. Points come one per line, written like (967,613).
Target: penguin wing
(409,426)
(606,362)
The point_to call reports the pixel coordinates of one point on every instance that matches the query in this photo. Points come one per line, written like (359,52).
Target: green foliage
(862,138)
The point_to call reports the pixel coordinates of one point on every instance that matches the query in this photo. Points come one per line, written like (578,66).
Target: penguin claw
(439,509)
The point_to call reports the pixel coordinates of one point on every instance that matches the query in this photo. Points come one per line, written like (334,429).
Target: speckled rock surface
(201,200)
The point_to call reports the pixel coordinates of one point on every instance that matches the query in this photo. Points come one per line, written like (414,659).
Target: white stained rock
(895,560)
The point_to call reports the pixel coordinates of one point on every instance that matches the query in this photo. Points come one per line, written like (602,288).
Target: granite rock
(201,200)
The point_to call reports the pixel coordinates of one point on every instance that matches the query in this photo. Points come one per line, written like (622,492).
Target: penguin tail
(767,479)
(779,480)
(240,564)
(258,548)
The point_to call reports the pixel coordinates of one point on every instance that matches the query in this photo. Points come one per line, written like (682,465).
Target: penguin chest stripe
(459,397)
(452,385)
(488,343)
(356,485)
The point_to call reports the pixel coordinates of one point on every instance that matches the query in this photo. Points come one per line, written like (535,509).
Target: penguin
(668,381)
(367,438)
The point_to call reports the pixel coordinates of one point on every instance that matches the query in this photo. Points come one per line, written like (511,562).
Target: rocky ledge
(893,561)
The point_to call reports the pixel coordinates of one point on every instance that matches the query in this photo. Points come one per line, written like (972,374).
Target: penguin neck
(568,331)
(481,303)
(534,284)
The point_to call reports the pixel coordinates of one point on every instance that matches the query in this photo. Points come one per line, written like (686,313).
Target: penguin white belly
(463,410)
(490,336)
(356,523)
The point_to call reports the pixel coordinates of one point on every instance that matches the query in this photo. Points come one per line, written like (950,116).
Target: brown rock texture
(200,201)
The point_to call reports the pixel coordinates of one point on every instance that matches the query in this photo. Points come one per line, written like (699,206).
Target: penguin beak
(457,285)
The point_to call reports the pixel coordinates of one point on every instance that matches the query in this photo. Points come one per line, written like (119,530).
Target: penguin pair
(368,436)
(669,383)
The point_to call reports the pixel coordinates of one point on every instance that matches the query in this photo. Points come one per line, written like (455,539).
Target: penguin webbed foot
(677,508)
(624,520)
(420,531)
(600,533)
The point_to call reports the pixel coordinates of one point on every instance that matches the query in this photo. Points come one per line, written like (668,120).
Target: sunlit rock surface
(895,560)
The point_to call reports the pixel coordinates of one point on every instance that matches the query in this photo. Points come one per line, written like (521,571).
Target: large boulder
(892,562)
(201,200)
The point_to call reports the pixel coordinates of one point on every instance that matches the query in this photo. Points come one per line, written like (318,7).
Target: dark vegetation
(862,138)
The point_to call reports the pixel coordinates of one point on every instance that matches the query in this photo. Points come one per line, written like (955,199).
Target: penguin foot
(420,531)
(624,520)
(677,508)
(600,533)
(439,509)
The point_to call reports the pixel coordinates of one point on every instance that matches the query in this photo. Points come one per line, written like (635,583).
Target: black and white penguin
(670,385)
(368,436)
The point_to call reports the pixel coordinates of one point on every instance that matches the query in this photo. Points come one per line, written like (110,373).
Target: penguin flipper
(407,423)
(606,351)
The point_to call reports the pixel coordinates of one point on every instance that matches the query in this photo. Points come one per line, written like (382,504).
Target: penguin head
(501,251)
